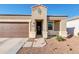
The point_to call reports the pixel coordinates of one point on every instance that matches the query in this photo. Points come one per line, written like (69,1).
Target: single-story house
(31,26)
(73,26)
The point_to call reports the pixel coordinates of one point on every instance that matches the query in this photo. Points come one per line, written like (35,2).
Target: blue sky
(69,10)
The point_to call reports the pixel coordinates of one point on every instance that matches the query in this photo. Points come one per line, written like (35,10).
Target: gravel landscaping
(69,46)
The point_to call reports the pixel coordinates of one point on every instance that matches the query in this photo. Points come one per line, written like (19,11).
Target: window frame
(50,28)
(58,25)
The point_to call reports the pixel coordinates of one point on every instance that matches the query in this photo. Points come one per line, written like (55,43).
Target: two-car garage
(14,29)
(14,32)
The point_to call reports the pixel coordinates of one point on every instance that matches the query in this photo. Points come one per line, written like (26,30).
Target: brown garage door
(14,29)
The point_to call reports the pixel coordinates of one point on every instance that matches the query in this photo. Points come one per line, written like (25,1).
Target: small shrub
(67,45)
(60,38)
(70,49)
(78,33)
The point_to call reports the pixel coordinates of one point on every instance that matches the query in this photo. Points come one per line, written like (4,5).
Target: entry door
(39,27)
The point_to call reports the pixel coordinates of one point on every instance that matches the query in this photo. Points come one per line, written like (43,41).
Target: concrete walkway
(38,42)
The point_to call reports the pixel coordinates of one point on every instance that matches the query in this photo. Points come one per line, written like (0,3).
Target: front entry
(39,28)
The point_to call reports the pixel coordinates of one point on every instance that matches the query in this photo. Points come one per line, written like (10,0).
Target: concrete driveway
(11,45)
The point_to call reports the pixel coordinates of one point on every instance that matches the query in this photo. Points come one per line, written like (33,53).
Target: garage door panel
(14,29)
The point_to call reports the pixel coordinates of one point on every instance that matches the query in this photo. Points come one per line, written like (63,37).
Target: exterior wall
(51,32)
(62,31)
(14,26)
(37,16)
(57,27)
(28,24)
(15,17)
(73,27)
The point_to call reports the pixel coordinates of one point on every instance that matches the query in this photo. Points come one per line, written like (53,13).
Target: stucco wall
(51,32)
(14,26)
(37,16)
(62,31)
(73,25)
(15,17)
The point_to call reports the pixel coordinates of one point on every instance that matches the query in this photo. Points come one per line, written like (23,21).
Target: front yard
(54,46)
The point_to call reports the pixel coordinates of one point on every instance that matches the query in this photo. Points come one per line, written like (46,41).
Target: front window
(56,25)
(50,25)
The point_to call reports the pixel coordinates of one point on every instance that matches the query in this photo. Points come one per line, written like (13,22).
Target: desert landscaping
(53,46)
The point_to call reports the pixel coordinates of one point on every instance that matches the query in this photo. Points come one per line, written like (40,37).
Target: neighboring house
(73,26)
(31,26)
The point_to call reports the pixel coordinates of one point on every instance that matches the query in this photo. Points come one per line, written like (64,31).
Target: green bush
(60,38)
(78,33)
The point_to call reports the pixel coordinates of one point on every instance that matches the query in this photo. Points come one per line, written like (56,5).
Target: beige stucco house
(34,25)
